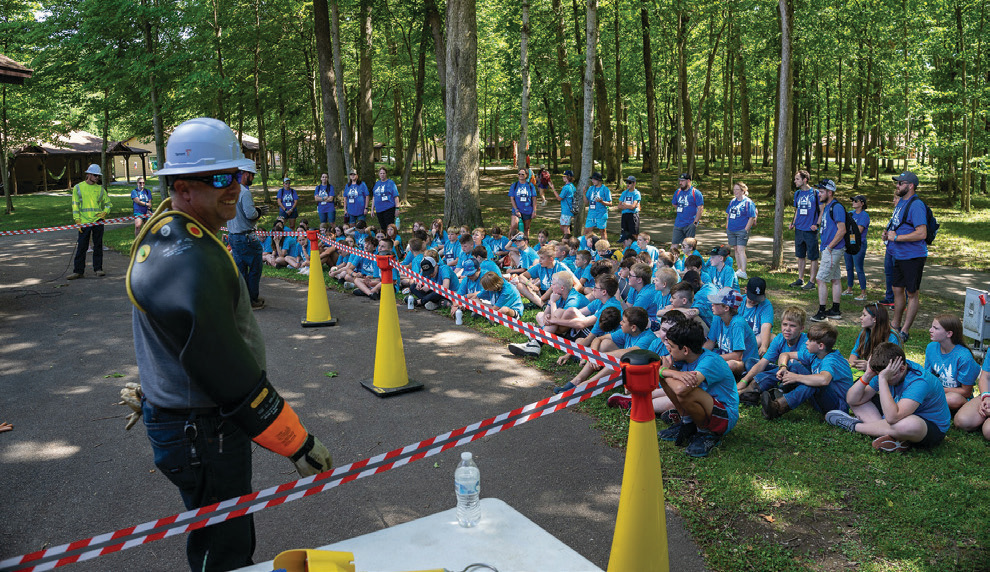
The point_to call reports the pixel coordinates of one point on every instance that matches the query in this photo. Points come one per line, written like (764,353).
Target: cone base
(323,324)
(390,391)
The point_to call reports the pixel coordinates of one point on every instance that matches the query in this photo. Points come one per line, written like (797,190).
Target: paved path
(69,470)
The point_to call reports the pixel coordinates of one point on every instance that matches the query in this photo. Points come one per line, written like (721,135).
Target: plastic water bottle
(411,302)
(467,485)
(398,221)
(459,317)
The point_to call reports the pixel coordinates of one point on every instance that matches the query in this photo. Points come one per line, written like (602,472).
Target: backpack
(853,237)
(931,223)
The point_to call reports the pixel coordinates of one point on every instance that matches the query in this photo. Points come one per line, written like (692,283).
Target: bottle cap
(465,456)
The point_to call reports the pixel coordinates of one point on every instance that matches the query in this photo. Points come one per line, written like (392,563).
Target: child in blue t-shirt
(975,414)
(948,359)
(912,411)
(730,336)
(763,374)
(567,206)
(820,376)
(874,318)
(503,295)
(758,313)
(633,333)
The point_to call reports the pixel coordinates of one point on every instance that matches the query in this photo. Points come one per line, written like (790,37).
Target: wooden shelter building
(41,167)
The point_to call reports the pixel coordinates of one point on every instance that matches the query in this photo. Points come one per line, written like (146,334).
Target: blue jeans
(856,261)
(888,274)
(246,250)
(209,460)
(823,399)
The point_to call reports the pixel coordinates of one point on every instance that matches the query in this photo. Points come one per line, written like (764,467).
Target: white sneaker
(530,348)
(544,203)
(741,274)
(348,285)
(431,306)
(405,291)
(304,270)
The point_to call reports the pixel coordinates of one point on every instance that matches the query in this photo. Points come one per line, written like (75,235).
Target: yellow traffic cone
(391,377)
(640,539)
(317,305)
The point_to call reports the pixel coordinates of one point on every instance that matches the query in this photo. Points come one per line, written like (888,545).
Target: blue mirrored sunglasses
(217,181)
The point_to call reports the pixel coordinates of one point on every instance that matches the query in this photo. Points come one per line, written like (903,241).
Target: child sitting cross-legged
(634,333)
(763,375)
(948,359)
(730,335)
(816,373)
(703,392)
(661,404)
(912,411)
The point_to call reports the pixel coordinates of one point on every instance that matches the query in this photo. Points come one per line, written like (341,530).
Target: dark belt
(197,411)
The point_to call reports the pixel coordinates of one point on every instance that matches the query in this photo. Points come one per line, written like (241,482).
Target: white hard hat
(249,167)
(200,145)
(94,169)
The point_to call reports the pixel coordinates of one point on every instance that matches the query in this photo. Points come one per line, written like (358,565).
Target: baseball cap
(826,184)
(469,267)
(906,177)
(685,177)
(630,179)
(597,176)
(756,289)
(286,180)
(727,297)
(719,251)
(569,173)
(519,236)
(428,265)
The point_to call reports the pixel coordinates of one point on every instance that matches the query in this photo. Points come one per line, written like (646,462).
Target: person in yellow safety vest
(90,203)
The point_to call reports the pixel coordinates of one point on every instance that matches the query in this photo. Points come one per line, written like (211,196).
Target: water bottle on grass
(467,485)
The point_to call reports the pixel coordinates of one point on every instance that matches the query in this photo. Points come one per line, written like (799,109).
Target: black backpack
(853,237)
(931,223)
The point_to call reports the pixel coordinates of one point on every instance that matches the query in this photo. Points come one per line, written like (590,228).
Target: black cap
(597,176)
(907,177)
(427,266)
(756,289)
(685,177)
(719,251)
(569,173)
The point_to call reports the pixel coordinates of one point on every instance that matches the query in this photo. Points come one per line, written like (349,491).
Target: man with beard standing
(905,238)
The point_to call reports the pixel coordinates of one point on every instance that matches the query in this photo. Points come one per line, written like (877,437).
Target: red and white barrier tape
(71,226)
(89,548)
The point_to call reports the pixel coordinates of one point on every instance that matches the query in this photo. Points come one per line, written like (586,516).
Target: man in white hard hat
(199,349)
(244,244)
(90,203)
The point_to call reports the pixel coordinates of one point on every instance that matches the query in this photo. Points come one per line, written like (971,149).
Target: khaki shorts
(830,267)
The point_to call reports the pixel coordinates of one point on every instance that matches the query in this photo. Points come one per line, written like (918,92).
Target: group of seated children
(716,343)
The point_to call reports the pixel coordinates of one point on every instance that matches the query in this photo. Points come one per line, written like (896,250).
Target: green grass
(792,494)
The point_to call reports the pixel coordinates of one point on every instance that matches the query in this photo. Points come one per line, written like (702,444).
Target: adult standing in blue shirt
(905,239)
(598,197)
(690,205)
(855,261)
(245,247)
(288,207)
(326,207)
(386,205)
(566,198)
(740,218)
(522,195)
(805,227)
(629,202)
(141,197)
(833,251)
(356,198)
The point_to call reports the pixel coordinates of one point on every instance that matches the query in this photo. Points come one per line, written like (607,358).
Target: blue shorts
(600,221)
(328,217)
(525,216)
(354,218)
(294,213)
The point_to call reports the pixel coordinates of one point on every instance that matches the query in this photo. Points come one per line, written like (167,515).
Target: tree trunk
(156,108)
(651,102)
(523,146)
(327,55)
(4,129)
(217,37)
(783,147)
(682,89)
(439,47)
(417,116)
(861,124)
(746,130)
(604,121)
(570,106)
(619,135)
(461,204)
(283,135)
(313,100)
(366,140)
(396,108)
(587,147)
(262,150)
(965,203)
(343,139)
